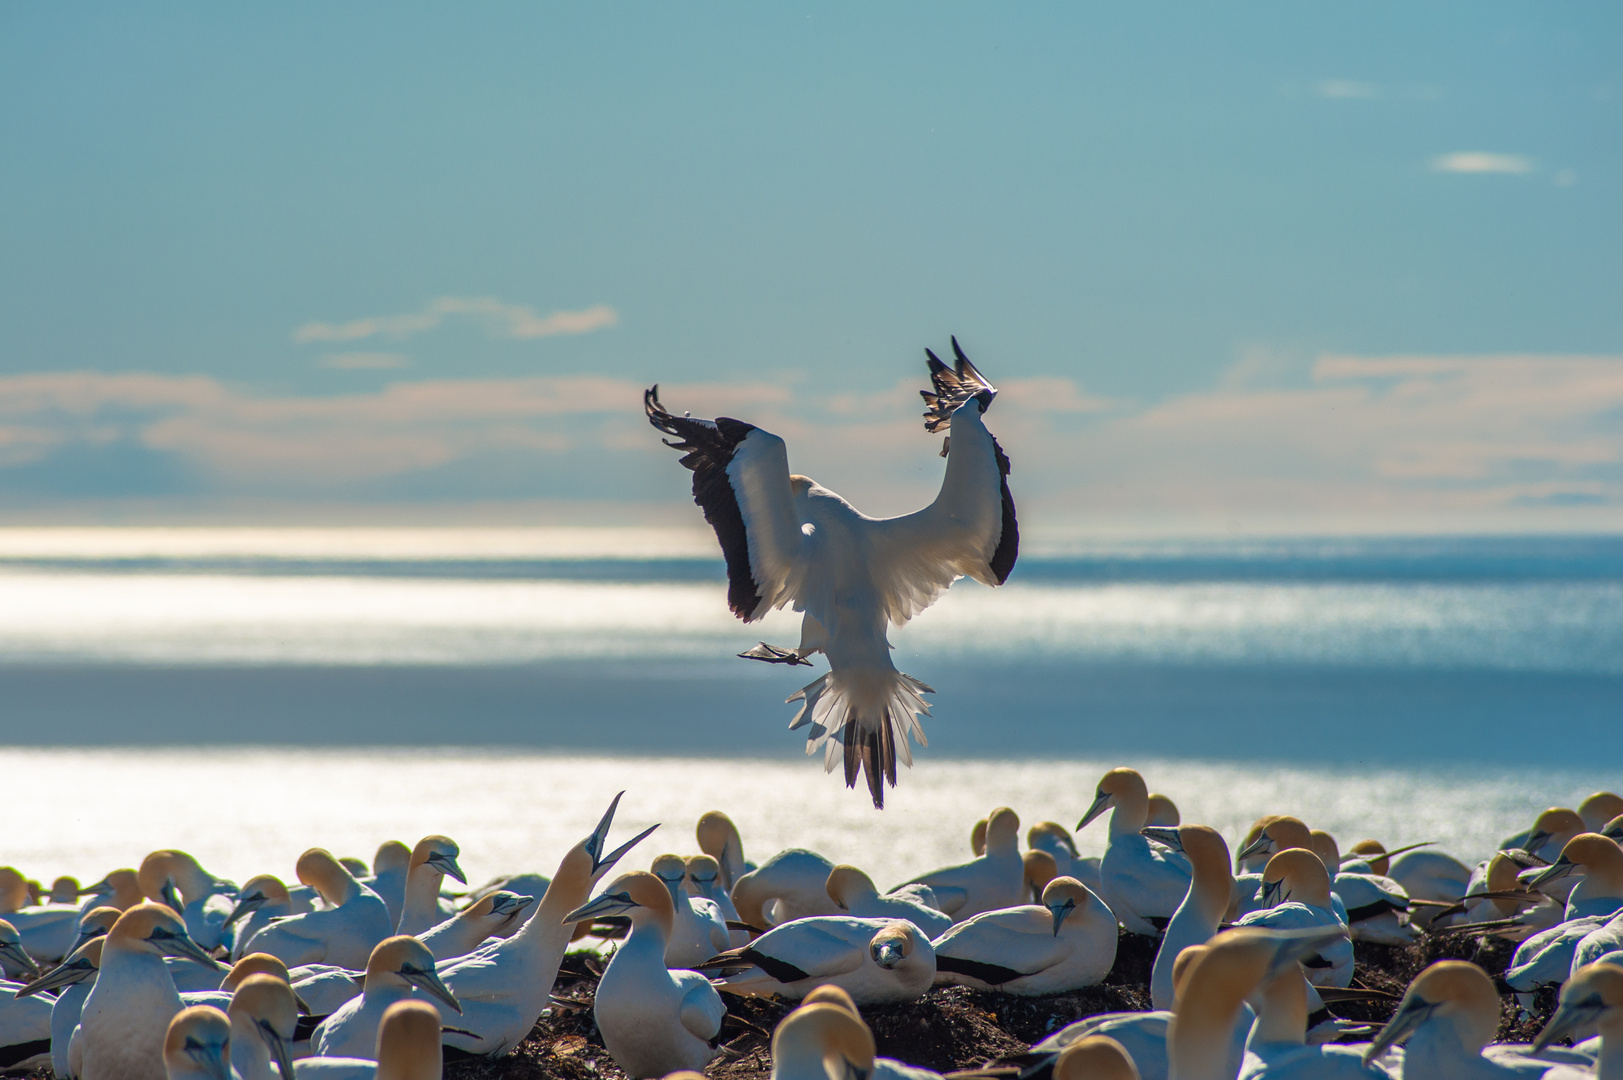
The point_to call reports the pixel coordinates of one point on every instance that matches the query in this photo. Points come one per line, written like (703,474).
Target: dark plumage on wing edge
(953,386)
(867,740)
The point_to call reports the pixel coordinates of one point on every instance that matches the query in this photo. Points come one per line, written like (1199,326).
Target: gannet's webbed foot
(771,654)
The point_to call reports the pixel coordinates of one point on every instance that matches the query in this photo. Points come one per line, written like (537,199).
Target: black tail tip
(873,754)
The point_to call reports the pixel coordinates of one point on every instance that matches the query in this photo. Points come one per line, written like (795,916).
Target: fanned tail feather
(866,736)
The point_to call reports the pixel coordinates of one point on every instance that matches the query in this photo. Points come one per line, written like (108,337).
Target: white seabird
(788,540)
(1066,942)
(876,961)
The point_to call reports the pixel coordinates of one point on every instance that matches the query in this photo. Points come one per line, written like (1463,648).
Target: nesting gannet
(790,885)
(1201,912)
(72,980)
(1296,890)
(1162,811)
(342,933)
(1545,958)
(1268,837)
(704,882)
(432,860)
(398,966)
(653,1020)
(1056,839)
(390,866)
(194,1045)
(1142,884)
(719,838)
(1277,1048)
(261,900)
(120,889)
(1430,876)
(264,1019)
(699,930)
(876,961)
(47,932)
(1593,996)
(1550,832)
(1600,808)
(484,918)
(1598,863)
(854,893)
(1063,944)
(789,541)
(25,1027)
(824,1039)
(65,890)
(1603,942)
(203,900)
(987,882)
(124,1018)
(408,1049)
(505,984)
(1374,907)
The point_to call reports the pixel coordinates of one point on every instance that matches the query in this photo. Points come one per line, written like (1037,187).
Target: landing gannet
(202,900)
(127,1013)
(342,933)
(432,860)
(46,932)
(854,893)
(505,984)
(985,883)
(653,1020)
(484,918)
(876,961)
(1201,912)
(1065,943)
(704,880)
(699,930)
(1593,996)
(261,900)
(789,541)
(398,966)
(792,884)
(194,1045)
(1142,884)
(1598,863)
(1296,889)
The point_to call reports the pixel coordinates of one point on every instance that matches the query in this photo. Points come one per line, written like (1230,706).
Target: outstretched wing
(970,530)
(741,482)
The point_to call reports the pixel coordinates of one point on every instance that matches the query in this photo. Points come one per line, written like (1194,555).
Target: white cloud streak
(499,319)
(1479,161)
(1346,88)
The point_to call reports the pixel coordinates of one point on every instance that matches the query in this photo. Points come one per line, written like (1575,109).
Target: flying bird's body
(789,541)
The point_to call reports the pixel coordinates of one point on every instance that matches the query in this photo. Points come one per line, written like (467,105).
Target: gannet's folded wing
(741,481)
(996,950)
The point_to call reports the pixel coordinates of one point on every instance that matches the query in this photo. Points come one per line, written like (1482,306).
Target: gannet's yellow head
(120,889)
(1451,992)
(1095,1057)
(158,880)
(847,884)
(1557,824)
(1600,808)
(95,923)
(391,855)
(1590,854)
(1206,851)
(1119,788)
(155,928)
(198,1043)
(405,959)
(326,875)
(264,1007)
(830,994)
(1295,874)
(1280,834)
(65,890)
(439,853)
(673,871)
(409,1042)
(13,890)
(12,951)
(640,896)
(718,837)
(254,964)
(1593,995)
(1180,968)
(502,907)
(703,876)
(1049,834)
(1162,811)
(1252,835)
(828,1033)
(1064,897)
(262,891)
(977,837)
(1002,831)
(1324,846)
(1040,869)
(1374,853)
(588,861)
(894,944)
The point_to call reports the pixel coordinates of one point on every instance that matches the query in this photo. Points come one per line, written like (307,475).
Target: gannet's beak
(172,898)
(446,864)
(608,904)
(89,933)
(887,954)
(14,952)
(1272,893)
(1060,912)
(278,1047)
(1556,870)
(1101,802)
(510,905)
(426,979)
(63,975)
(100,888)
(181,945)
(1570,1015)
(246,906)
(211,1056)
(1167,835)
(1410,1015)
(447,1029)
(600,838)
(1256,847)
(1536,840)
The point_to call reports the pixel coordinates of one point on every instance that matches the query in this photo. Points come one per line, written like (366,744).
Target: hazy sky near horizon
(1315,266)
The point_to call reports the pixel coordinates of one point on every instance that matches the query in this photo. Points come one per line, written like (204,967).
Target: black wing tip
(954,385)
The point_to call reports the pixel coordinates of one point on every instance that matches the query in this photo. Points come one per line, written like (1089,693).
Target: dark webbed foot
(771,654)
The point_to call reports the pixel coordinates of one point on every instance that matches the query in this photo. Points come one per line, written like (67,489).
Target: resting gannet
(790,885)
(390,866)
(1545,958)
(486,917)
(1550,832)
(46,932)
(126,1014)
(1162,811)
(699,931)
(14,959)
(72,979)
(1063,944)
(876,961)
(202,900)
(718,838)
(985,883)
(342,933)
(1142,884)
(1603,942)
(25,1028)
(1278,1048)
(1201,912)
(120,889)
(505,984)
(196,1045)
(408,1049)
(1375,907)
(264,1018)
(1600,808)
(854,893)
(397,966)
(823,1039)
(703,882)
(1296,889)
(432,860)
(1056,839)
(1430,876)
(653,1020)
(1593,996)
(261,900)
(1598,864)
(788,540)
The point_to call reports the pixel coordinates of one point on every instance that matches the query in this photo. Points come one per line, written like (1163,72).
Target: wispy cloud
(499,319)
(1346,88)
(364,361)
(1480,161)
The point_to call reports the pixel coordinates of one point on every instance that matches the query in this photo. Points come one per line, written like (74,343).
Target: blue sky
(1350,266)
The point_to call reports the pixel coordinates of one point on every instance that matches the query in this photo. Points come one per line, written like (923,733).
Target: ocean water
(245,693)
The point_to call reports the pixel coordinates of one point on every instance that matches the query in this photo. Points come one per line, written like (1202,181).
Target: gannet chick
(203,901)
(985,883)
(505,984)
(431,860)
(343,933)
(486,917)
(1297,892)
(1599,864)
(262,900)
(1201,912)
(698,931)
(1599,809)
(1162,811)
(823,1039)
(1593,996)
(397,966)
(389,869)
(126,1014)
(120,889)
(1065,943)
(1142,884)
(653,1020)
(195,1045)
(46,933)
(1448,1017)
(264,1019)
(704,882)
(876,961)
(790,885)
(14,959)
(854,893)
(1277,1047)
(1375,907)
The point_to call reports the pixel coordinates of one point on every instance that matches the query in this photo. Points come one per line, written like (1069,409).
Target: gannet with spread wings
(789,541)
